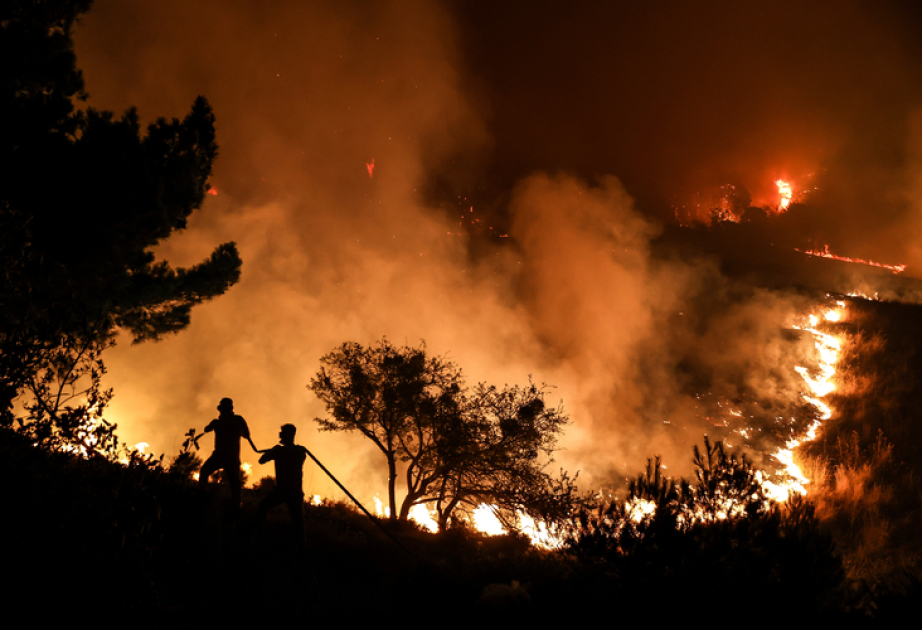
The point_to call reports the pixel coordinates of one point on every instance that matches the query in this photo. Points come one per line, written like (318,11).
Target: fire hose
(356,501)
(374,519)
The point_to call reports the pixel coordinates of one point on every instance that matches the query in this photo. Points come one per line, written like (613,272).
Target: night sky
(575,128)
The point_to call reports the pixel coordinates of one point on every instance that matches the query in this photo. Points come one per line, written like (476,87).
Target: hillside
(867,459)
(101,540)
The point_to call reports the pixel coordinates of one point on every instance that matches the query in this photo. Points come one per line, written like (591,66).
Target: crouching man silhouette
(228,428)
(289,462)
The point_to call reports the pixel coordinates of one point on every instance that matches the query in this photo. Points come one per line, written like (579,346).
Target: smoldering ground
(307,95)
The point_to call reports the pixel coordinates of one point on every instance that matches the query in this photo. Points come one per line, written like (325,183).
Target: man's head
(287,434)
(226,405)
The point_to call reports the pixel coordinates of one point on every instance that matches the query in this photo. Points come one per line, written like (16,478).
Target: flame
(371,168)
(380,510)
(485,521)
(819,382)
(825,253)
(423,517)
(639,509)
(538,533)
(785,192)
(828,348)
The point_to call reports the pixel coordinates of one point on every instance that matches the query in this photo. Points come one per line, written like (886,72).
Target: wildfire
(639,509)
(380,510)
(863,296)
(786,193)
(825,253)
(484,520)
(819,382)
(828,347)
(422,517)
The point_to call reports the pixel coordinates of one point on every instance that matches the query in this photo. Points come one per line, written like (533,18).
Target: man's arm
(245,432)
(268,456)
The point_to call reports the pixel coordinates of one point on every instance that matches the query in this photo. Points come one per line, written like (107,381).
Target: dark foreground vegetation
(867,460)
(94,539)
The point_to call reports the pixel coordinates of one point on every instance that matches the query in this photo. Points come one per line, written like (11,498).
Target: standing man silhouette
(228,428)
(289,464)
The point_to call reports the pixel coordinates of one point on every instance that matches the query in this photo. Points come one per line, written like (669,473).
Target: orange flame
(786,193)
(825,253)
(829,348)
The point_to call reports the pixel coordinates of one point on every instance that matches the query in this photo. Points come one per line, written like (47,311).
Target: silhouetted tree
(495,452)
(457,448)
(83,200)
(391,396)
(726,486)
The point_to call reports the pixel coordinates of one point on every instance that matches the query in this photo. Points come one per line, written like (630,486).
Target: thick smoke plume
(307,96)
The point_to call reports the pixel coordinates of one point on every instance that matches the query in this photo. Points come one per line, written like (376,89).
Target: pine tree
(84,198)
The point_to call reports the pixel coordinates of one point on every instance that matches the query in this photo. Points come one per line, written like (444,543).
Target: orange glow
(825,253)
(371,168)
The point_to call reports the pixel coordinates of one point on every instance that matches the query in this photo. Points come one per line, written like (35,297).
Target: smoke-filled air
(499,180)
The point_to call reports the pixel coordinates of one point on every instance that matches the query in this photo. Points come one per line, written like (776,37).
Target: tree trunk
(392,485)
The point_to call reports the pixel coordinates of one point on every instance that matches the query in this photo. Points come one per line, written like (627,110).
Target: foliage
(866,460)
(65,409)
(458,448)
(187,462)
(491,453)
(659,508)
(391,396)
(726,486)
(84,198)
(716,535)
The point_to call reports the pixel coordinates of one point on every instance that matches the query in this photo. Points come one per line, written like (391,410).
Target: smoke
(648,349)
(678,99)
(305,97)
(307,94)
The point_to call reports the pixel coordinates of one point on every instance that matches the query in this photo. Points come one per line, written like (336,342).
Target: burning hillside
(651,213)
